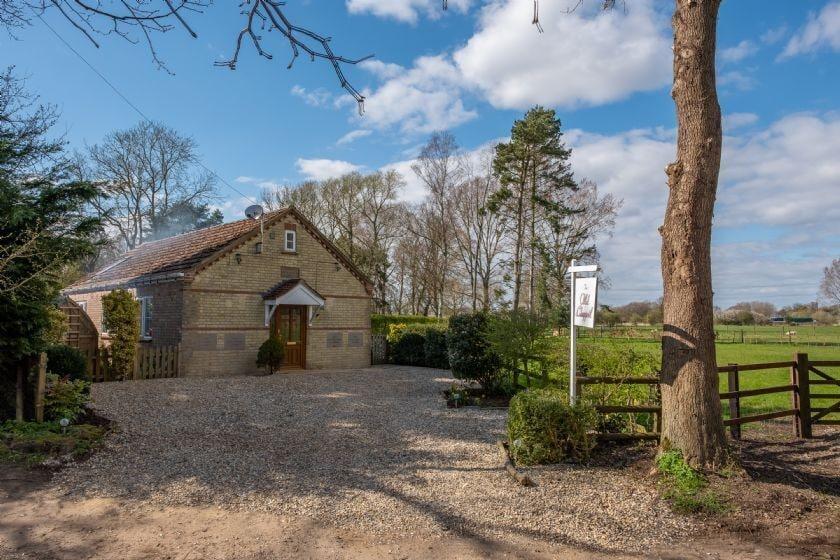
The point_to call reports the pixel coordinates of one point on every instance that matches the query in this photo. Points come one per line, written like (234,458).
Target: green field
(759,353)
(793,335)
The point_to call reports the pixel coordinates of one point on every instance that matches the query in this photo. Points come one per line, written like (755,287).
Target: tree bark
(19,391)
(691,410)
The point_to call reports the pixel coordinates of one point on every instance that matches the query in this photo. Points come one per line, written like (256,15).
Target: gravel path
(374,450)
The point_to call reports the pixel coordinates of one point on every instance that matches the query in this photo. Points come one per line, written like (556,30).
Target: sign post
(582,298)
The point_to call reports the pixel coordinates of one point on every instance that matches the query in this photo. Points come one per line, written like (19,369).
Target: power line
(132,105)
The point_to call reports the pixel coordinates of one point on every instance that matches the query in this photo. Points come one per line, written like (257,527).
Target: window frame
(286,240)
(145,304)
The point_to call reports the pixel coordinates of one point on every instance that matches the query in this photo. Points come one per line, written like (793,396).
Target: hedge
(380,324)
(417,345)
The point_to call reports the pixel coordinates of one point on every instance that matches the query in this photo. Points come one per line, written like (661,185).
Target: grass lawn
(728,353)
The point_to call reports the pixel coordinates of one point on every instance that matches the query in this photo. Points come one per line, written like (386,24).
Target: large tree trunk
(691,412)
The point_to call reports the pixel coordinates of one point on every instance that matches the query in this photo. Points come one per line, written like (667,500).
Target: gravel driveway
(374,450)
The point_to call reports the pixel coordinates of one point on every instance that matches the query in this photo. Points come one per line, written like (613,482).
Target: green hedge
(66,361)
(543,428)
(417,345)
(470,352)
(380,324)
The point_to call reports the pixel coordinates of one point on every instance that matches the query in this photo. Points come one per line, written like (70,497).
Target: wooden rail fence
(803,409)
(150,362)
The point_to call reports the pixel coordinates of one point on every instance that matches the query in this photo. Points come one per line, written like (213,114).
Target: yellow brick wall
(223,304)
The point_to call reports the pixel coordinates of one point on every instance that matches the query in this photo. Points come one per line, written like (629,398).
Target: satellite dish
(254,211)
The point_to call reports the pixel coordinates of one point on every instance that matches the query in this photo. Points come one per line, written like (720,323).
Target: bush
(435,349)
(66,361)
(271,353)
(409,349)
(121,318)
(471,356)
(519,337)
(543,428)
(623,361)
(64,398)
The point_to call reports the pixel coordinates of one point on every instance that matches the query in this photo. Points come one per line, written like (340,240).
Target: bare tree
(440,167)
(381,227)
(147,171)
(830,285)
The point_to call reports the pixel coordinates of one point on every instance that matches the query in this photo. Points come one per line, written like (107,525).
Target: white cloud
(233,208)
(738,120)
(739,52)
(587,57)
(321,169)
(736,79)
(407,11)
(772,36)
(420,99)
(778,208)
(246,179)
(821,31)
(319,97)
(353,135)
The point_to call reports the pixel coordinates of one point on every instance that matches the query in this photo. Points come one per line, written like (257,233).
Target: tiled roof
(179,253)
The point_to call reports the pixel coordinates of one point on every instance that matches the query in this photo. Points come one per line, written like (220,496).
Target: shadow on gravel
(812,464)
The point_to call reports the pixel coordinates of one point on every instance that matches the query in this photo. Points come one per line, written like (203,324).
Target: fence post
(801,395)
(40,387)
(734,402)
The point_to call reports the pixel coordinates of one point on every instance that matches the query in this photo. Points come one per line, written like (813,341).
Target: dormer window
(290,244)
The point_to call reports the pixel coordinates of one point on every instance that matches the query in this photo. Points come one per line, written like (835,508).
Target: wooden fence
(803,409)
(150,362)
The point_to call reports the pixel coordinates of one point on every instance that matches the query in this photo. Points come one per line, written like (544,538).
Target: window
(145,317)
(291,241)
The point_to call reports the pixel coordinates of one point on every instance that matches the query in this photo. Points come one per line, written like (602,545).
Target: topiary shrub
(435,349)
(66,361)
(271,353)
(543,428)
(471,356)
(64,398)
(121,318)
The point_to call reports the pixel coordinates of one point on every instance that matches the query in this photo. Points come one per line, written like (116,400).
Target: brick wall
(223,309)
(167,303)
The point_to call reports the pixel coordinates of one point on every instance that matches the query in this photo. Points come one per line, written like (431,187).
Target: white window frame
(145,301)
(293,239)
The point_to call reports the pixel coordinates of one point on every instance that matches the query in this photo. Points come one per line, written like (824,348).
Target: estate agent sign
(582,313)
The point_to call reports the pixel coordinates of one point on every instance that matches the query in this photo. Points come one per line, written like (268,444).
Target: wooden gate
(809,413)
(82,334)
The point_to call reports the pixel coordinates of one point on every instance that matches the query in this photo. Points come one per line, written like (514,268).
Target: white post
(572,338)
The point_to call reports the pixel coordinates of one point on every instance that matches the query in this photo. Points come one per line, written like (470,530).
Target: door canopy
(293,292)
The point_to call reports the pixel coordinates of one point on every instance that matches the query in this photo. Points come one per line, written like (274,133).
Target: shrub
(409,349)
(623,361)
(435,349)
(471,356)
(543,428)
(519,337)
(121,318)
(66,361)
(64,398)
(271,353)
(56,327)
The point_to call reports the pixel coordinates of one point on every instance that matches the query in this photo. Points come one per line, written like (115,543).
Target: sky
(473,70)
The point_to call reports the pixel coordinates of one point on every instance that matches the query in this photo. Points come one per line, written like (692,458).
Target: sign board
(586,292)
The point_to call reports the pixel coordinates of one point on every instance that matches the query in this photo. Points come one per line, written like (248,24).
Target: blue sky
(474,69)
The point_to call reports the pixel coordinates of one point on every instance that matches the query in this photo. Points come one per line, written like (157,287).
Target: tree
(536,179)
(121,319)
(153,185)
(43,228)
(440,167)
(830,285)
(691,411)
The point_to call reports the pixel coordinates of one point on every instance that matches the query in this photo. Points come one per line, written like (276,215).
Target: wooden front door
(290,326)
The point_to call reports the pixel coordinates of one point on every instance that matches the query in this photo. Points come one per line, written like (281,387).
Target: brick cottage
(220,291)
